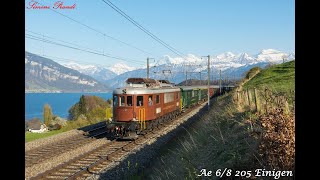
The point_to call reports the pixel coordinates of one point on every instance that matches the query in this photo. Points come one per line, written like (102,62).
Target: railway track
(41,154)
(76,165)
(94,161)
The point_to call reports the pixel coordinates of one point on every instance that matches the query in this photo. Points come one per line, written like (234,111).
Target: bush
(34,123)
(252,72)
(89,106)
(58,120)
(54,127)
(277,146)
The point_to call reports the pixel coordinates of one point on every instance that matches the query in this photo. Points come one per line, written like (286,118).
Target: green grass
(29,136)
(70,126)
(223,137)
(279,78)
(219,139)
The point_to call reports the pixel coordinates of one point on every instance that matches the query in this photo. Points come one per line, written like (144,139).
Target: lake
(60,103)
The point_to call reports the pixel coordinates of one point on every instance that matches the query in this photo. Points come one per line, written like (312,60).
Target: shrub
(47,114)
(252,72)
(277,146)
(34,123)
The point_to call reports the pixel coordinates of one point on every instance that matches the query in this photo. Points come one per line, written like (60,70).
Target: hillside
(225,137)
(45,75)
(97,72)
(280,78)
(232,66)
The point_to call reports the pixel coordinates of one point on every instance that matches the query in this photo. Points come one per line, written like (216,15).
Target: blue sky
(190,26)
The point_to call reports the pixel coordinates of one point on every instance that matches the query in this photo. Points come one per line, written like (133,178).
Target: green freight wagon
(189,95)
(204,93)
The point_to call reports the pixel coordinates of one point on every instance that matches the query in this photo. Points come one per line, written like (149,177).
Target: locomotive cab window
(139,100)
(121,99)
(150,102)
(129,100)
(168,97)
(115,101)
(158,99)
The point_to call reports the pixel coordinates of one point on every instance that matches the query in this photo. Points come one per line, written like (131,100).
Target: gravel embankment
(57,160)
(136,160)
(51,139)
(139,158)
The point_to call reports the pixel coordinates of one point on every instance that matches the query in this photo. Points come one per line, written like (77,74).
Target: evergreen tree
(47,114)
(82,105)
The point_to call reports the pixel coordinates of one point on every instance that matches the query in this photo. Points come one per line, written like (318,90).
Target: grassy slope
(92,101)
(222,138)
(33,136)
(70,126)
(278,77)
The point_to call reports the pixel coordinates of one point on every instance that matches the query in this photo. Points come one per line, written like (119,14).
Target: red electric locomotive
(143,104)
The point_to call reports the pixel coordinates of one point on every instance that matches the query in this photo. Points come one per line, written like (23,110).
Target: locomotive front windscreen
(139,100)
(115,101)
(129,100)
(121,103)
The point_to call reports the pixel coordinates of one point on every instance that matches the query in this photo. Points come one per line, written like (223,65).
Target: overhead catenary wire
(29,36)
(42,35)
(99,32)
(72,60)
(105,35)
(114,7)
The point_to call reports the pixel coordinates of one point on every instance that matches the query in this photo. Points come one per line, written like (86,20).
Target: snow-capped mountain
(100,73)
(291,56)
(244,58)
(121,68)
(271,55)
(225,57)
(231,65)
(89,69)
(43,74)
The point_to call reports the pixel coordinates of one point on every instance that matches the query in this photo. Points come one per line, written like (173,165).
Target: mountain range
(231,65)
(45,75)
(174,68)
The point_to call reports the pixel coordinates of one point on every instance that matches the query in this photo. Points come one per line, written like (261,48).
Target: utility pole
(147,68)
(227,81)
(212,76)
(200,78)
(220,82)
(208,81)
(186,77)
(283,58)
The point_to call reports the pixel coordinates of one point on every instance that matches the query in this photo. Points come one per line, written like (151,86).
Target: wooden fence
(264,100)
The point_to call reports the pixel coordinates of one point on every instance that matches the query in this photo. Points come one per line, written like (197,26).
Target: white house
(42,129)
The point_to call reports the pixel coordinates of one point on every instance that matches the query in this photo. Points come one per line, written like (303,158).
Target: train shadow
(97,131)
